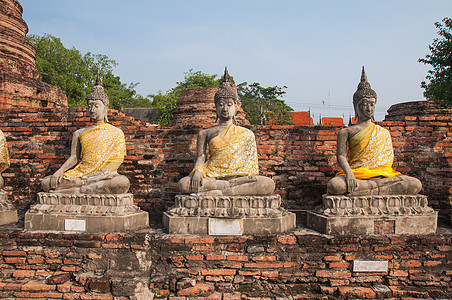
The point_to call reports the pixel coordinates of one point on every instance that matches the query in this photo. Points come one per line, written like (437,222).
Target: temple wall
(152,265)
(301,159)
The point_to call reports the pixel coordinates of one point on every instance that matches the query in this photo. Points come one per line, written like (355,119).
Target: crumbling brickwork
(301,159)
(196,107)
(153,265)
(20,81)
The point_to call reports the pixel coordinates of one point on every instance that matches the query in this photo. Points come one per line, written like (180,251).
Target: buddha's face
(225,108)
(366,108)
(97,110)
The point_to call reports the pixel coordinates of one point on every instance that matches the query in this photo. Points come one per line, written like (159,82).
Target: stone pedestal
(86,213)
(253,214)
(8,213)
(374,215)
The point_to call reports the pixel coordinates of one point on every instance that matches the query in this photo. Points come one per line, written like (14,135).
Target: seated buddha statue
(227,160)
(365,154)
(96,153)
(4,157)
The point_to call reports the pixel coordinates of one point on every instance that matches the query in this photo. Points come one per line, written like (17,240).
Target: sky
(314,47)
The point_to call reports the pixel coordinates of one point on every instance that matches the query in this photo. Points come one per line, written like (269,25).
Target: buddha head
(98,101)
(364,99)
(226,98)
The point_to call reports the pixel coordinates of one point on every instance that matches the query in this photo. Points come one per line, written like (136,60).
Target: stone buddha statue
(227,160)
(4,157)
(96,153)
(365,154)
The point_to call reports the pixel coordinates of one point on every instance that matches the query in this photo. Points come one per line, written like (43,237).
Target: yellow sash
(370,153)
(103,149)
(232,152)
(4,156)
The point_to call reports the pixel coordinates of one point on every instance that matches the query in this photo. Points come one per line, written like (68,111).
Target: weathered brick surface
(296,157)
(418,267)
(20,83)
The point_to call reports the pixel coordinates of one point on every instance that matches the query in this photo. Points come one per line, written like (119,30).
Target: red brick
(194,257)
(360,292)
(77,288)
(176,259)
(206,248)
(328,289)
(333,258)
(270,274)
(421,277)
(332,274)
(14,260)
(23,273)
(215,272)
(387,248)
(70,262)
(339,282)
(249,273)
(431,263)
(36,286)
(215,257)
(398,273)
(407,292)
(413,264)
(70,268)
(264,258)
(34,261)
(338,265)
(199,240)
(199,289)
(237,258)
(64,287)
(14,253)
(46,295)
(287,239)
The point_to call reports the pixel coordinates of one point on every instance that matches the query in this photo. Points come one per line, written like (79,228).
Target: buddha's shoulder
(113,128)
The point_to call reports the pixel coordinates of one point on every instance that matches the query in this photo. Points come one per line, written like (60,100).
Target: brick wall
(301,159)
(286,266)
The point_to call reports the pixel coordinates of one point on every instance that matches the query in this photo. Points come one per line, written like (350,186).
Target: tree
(262,104)
(76,74)
(167,102)
(439,85)
(250,96)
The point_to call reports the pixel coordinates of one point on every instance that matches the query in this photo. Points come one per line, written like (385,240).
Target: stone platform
(374,215)
(8,213)
(86,213)
(243,214)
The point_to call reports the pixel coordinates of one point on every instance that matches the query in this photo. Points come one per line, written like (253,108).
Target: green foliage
(439,85)
(263,104)
(76,74)
(167,102)
(260,104)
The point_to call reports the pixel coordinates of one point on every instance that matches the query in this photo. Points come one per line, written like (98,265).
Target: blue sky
(315,48)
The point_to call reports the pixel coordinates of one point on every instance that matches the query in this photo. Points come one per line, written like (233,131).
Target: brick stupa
(196,107)
(20,81)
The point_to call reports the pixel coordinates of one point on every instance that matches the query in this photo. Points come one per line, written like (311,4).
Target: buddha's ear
(106,113)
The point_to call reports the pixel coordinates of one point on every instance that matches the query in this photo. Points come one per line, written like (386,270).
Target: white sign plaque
(378,266)
(225,226)
(74,225)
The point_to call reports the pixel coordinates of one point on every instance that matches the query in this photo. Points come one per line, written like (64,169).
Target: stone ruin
(20,81)
(151,264)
